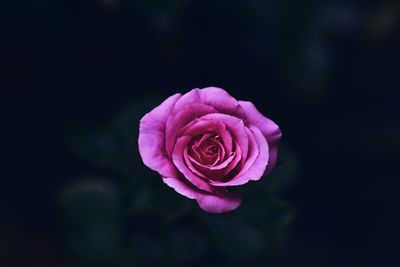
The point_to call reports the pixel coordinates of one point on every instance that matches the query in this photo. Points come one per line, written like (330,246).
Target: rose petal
(197,151)
(220,171)
(267,127)
(180,117)
(212,96)
(181,187)
(254,117)
(189,161)
(199,127)
(198,143)
(223,164)
(263,160)
(253,153)
(221,151)
(152,138)
(234,125)
(179,161)
(256,169)
(235,161)
(222,201)
(244,166)
(221,100)
(255,166)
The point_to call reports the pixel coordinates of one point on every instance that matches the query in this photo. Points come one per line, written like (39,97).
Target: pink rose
(204,142)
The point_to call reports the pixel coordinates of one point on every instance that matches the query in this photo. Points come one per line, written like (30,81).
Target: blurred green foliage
(123,215)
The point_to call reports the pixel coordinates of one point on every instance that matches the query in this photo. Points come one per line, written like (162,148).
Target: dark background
(326,71)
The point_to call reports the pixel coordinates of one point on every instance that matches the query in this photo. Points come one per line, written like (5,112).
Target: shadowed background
(78,75)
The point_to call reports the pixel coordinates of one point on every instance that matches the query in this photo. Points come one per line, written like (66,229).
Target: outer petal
(221,100)
(222,201)
(212,96)
(181,187)
(267,127)
(263,159)
(252,170)
(152,138)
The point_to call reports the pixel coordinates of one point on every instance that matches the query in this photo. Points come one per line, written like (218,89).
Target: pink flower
(204,142)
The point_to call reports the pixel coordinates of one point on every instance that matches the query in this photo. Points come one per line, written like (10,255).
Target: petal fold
(267,127)
(223,201)
(152,138)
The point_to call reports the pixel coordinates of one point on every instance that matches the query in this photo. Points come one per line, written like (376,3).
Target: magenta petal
(209,169)
(182,115)
(256,164)
(197,149)
(194,148)
(188,99)
(221,100)
(254,117)
(221,151)
(181,187)
(210,172)
(234,125)
(222,201)
(152,138)
(212,96)
(234,162)
(208,126)
(253,154)
(267,127)
(258,169)
(179,161)
(223,164)
(189,161)
(197,146)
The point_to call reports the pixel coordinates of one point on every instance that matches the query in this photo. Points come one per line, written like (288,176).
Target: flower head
(205,142)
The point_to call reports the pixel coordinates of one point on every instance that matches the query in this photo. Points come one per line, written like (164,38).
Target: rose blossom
(204,142)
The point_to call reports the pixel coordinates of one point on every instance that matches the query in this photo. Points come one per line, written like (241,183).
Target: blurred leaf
(142,199)
(159,200)
(187,245)
(126,125)
(91,201)
(261,223)
(146,249)
(98,146)
(236,239)
(93,207)
(285,173)
(264,209)
(113,146)
(162,16)
(97,243)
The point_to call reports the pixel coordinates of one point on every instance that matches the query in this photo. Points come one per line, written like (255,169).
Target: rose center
(206,150)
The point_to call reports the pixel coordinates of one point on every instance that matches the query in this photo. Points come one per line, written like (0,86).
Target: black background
(326,71)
